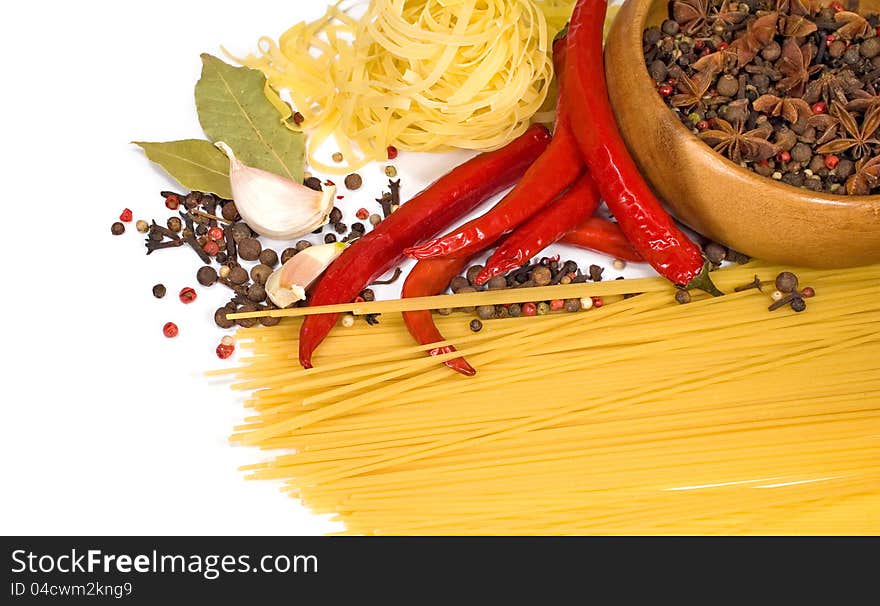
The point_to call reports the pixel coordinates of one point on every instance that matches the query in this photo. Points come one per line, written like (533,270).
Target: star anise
(729,13)
(693,89)
(738,144)
(790,108)
(854,25)
(832,85)
(864,100)
(796,67)
(860,138)
(691,14)
(827,125)
(866,177)
(758,34)
(798,7)
(796,26)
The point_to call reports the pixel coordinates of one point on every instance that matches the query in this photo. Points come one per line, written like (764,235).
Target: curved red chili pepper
(602,236)
(551,174)
(640,215)
(545,228)
(431,277)
(447,200)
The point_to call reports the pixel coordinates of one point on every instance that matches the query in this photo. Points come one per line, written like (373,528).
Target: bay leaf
(194,163)
(233,108)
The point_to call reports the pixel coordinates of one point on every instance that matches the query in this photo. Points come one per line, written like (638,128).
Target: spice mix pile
(786,88)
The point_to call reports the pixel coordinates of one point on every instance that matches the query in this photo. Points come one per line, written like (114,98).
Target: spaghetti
(639,417)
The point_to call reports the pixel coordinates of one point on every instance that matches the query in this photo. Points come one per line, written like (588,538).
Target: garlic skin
(288,284)
(273,206)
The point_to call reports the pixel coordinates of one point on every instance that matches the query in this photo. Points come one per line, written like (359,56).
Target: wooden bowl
(756,215)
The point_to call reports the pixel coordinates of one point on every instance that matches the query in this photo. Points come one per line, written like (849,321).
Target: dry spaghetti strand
(640,417)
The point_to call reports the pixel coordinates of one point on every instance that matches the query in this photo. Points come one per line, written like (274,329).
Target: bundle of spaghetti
(642,416)
(422,75)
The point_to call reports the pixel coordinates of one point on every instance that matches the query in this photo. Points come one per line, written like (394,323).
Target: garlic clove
(288,284)
(273,206)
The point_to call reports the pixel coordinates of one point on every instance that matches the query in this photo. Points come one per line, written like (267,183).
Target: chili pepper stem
(702,281)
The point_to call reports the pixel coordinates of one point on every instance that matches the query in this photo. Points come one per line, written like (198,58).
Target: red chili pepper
(447,200)
(552,174)
(542,230)
(640,215)
(603,236)
(431,277)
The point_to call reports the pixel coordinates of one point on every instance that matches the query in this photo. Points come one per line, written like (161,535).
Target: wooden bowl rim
(636,27)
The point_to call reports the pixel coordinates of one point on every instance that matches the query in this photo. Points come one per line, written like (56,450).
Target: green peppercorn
(786,282)
(476,325)
(287,254)
(221,320)
(543,308)
(206,276)
(542,276)
(159,291)
(117,229)
(375,219)
(501,312)
(572,305)
(260,273)
(515,310)
(486,312)
(238,275)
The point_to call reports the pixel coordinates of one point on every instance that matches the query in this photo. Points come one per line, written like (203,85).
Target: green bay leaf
(194,163)
(233,108)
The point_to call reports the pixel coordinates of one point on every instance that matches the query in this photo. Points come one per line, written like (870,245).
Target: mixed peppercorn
(786,88)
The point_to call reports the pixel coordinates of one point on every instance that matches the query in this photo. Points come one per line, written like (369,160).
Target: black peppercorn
(238,275)
(472,274)
(206,276)
(358,228)
(256,293)
(353,181)
(798,304)
(117,229)
(269,257)
(302,245)
(457,283)
(682,297)
(786,282)
(313,183)
(329,238)
(249,249)
(368,295)
(486,312)
(476,325)
(201,230)
(335,215)
(221,257)
(288,254)
(159,291)
(572,305)
(716,253)
(497,283)
(340,227)
(260,273)
(221,320)
(229,211)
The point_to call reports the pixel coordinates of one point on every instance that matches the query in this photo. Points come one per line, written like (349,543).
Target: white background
(108,427)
